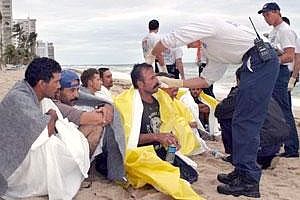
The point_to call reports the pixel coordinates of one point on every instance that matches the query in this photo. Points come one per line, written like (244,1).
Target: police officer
(283,39)
(230,43)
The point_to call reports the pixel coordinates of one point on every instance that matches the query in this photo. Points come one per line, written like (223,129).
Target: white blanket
(55,166)
(188,100)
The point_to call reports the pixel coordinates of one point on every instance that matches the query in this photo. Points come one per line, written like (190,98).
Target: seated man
(184,118)
(88,101)
(149,129)
(273,132)
(203,108)
(107,83)
(91,83)
(92,124)
(41,154)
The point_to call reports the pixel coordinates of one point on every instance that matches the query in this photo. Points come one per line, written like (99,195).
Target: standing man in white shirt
(173,61)
(148,43)
(230,43)
(283,39)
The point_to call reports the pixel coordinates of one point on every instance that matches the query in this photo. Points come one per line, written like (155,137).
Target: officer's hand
(291,84)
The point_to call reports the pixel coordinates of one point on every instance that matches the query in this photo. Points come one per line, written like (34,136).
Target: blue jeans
(251,103)
(264,151)
(280,94)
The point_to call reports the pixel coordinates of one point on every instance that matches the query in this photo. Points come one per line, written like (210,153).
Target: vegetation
(24,49)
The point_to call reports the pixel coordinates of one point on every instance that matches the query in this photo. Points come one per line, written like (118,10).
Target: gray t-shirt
(69,112)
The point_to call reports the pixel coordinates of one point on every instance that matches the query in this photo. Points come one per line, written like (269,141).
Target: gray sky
(110,31)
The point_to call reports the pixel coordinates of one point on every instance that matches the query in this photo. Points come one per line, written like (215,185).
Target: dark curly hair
(41,69)
(153,25)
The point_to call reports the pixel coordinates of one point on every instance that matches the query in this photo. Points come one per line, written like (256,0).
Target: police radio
(264,49)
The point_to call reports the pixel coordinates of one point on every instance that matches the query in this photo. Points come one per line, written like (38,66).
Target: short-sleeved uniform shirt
(282,36)
(224,42)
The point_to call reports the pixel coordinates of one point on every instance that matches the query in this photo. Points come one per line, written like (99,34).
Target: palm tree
(10,54)
(26,44)
(31,42)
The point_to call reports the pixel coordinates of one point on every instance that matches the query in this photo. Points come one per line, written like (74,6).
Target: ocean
(221,87)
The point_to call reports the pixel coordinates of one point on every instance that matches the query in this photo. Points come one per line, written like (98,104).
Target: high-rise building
(27,25)
(6,11)
(44,49)
(50,50)
(41,49)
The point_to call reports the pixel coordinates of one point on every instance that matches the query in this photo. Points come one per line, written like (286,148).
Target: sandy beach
(281,183)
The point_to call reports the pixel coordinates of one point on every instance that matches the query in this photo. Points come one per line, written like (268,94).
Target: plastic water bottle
(217,154)
(171,153)
(206,127)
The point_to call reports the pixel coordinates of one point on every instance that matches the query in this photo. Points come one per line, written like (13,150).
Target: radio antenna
(254,28)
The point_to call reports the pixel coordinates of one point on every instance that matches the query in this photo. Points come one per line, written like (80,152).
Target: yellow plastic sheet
(144,166)
(173,120)
(208,99)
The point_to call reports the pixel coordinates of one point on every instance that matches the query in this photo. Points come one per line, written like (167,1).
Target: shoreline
(280,183)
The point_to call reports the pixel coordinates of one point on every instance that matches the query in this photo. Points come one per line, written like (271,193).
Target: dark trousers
(209,91)
(226,133)
(251,103)
(173,70)
(280,94)
(263,151)
(110,162)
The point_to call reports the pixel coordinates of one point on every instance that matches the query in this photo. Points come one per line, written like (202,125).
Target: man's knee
(93,134)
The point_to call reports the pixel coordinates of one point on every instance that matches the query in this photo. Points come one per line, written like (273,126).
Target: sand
(281,183)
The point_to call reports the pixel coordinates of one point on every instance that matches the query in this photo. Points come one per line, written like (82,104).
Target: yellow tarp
(208,99)
(173,119)
(144,166)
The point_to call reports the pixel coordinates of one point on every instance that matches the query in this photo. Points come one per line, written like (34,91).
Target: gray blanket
(21,122)
(116,156)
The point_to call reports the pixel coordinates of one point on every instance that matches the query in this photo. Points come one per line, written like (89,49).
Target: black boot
(227,178)
(241,185)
